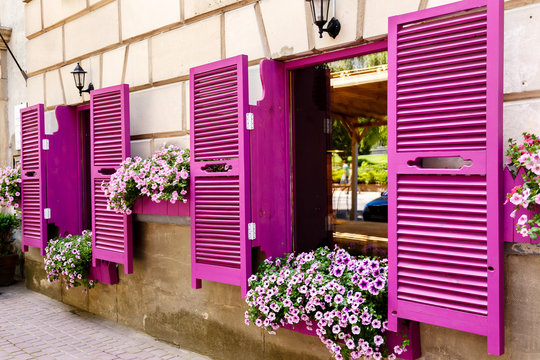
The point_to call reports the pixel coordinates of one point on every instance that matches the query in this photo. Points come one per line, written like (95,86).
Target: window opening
(339,119)
(86,193)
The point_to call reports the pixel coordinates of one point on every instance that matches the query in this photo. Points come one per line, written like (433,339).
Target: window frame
(302,63)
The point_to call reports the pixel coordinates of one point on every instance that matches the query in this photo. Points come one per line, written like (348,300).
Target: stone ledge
(6,34)
(521,249)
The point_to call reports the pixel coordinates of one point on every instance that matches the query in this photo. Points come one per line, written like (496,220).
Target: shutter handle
(216,168)
(107,171)
(442,162)
(30,173)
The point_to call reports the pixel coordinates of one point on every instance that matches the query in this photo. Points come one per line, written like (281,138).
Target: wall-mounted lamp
(319,10)
(78,76)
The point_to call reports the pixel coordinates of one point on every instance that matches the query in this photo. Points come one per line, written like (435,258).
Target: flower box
(145,205)
(412,329)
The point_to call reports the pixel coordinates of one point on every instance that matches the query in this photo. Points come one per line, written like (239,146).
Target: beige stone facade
(151,45)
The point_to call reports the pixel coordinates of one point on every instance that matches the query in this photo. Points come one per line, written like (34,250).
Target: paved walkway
(33,326)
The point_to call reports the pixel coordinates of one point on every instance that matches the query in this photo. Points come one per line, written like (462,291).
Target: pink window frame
(304,63)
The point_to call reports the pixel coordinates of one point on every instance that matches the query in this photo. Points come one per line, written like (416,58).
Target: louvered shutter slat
(220,202)
(444,91)
(112,232)
(33,186)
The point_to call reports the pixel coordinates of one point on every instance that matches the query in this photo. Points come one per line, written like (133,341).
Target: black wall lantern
(319,10)
(78,76)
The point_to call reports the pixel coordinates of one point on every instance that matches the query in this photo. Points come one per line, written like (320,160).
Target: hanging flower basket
(343,299)
(162,179)
(10,186)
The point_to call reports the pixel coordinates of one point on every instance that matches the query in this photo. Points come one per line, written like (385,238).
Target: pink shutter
(110,143)
(220,201)
(270,183)
(445,100)
(34,180)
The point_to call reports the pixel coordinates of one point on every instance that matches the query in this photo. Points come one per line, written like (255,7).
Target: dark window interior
(84,121)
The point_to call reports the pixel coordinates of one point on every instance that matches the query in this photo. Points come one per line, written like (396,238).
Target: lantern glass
(79,79)
(319,11)
(79,76)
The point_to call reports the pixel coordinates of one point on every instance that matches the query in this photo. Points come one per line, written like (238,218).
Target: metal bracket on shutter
(327,126)
(250,121)
(45,144)
(47,213)
(252,234)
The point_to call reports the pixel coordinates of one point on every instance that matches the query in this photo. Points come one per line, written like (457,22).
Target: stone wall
(151,45)
(158,299)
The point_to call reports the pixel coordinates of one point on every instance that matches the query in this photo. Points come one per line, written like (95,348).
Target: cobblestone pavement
(33,326)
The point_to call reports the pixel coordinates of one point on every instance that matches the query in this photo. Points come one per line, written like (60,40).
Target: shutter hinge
(252,233)
(327,126)
(47,213)
(250,121)
(329,222)
(45,144)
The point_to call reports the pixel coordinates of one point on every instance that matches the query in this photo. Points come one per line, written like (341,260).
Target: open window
(338,127)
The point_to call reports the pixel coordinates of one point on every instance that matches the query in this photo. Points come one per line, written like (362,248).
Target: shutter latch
(252,234)
(327,126)
(250,121)
(45,144)
(47,213)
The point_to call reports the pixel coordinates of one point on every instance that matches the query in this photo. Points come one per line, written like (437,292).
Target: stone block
(44,50)
(194,8)
(347,14)
(433,3)
(102,301)
(103,23)
(242,33)
(519,117)
(521,55)
(286,30)
(35,90)
(377,13)
(141,148)
(53,88)
(32,16)
(55,11)
(35,278)
(287,340)
(162,103)
(137,68)
(75,296)
(180,141)
(187,110)
(141,16)
(255,84)
(113,66)
(176,51)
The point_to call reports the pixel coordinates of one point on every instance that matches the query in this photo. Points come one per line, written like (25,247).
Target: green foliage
(375,136)
(372,169)
(359,62)
(341,140)
(8,224)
